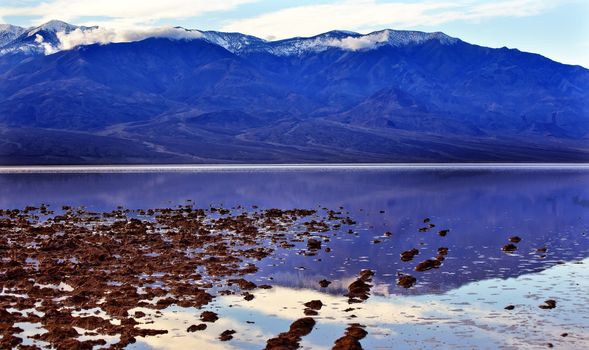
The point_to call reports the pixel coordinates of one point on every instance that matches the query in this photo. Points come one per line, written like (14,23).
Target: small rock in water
(548,304)
(313,243)
(509,248)
(428,265)
(243,284)
(351,339)
(314,304)
(359,290)
(291,339)
(208,316)
(515,239)
(227,335)
(194,328)
(409,254)
(509,307)
(406,281)
(443,233)
(366,275)
(324,283)
(302,327)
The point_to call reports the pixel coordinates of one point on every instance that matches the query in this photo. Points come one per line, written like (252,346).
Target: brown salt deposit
(121,260)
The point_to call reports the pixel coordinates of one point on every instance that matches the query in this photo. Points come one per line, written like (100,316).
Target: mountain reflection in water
(482,208)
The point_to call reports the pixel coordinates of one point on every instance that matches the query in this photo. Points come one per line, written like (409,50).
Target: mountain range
(88,95)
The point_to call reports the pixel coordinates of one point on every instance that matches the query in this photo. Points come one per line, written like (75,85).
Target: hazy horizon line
(131,168)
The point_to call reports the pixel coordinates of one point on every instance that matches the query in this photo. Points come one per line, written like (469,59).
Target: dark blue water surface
(482,208)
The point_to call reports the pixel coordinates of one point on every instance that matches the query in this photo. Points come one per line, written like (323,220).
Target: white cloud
(46,46)
(120,12)
(369,15)
(103,35)
(307,20)
(361,43)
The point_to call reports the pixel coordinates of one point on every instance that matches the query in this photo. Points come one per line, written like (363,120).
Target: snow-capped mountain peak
(54,36)
(9,28)
(405,37)
(53,26)
(234,42)
(9,32)
(351,41)
(42,39)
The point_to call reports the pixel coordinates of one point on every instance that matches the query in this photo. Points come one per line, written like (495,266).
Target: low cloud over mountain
(100,35)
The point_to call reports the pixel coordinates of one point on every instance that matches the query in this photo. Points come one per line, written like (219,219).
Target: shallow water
(459,305)
(469,317)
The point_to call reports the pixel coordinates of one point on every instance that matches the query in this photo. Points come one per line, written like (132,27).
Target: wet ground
(403,259)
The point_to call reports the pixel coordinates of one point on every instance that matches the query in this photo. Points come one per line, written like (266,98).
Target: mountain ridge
(386,96)
(217,37)
(237,42)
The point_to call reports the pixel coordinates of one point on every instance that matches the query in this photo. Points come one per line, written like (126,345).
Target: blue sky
(558,29)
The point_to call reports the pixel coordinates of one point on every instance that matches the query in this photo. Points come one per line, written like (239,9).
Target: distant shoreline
(279,167)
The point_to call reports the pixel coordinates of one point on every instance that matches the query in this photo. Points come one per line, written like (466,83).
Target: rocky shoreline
(56,267)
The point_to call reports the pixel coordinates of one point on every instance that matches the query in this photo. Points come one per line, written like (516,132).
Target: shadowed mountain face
(226,97)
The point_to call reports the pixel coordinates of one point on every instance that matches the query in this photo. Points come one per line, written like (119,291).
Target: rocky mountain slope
(204,96)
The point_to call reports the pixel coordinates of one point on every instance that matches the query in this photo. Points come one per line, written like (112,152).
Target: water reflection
(481,207)
(470,317)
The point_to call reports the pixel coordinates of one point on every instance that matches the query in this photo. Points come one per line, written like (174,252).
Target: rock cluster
(123,260)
